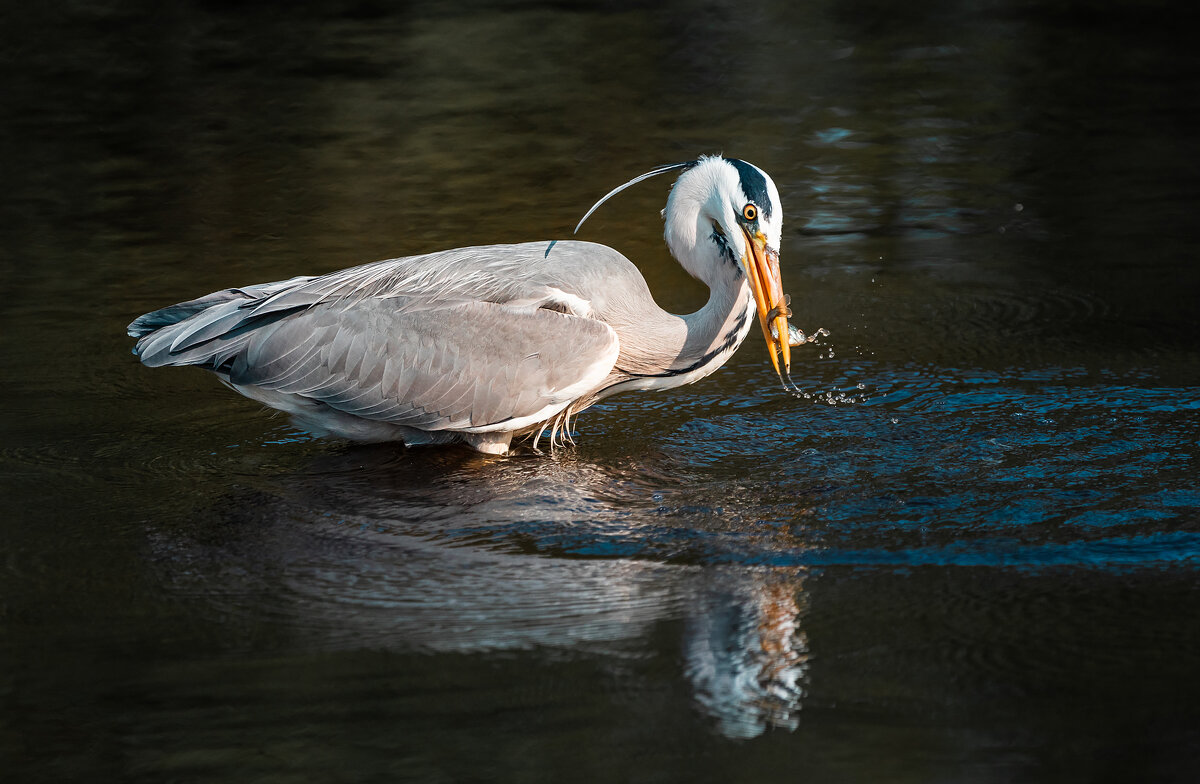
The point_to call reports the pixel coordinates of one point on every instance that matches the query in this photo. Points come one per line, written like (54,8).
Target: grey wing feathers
(459,340)
(173,314)
(467,367)
(223,317)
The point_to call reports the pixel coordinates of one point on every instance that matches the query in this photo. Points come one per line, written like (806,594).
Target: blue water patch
(833,135)
(933,465)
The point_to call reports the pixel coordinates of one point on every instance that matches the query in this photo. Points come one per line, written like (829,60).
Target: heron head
(724,217)
(724,213)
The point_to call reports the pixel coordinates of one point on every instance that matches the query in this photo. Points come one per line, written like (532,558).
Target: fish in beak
(762,268)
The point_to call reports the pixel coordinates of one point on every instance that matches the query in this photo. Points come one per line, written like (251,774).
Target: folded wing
(471,366)
(459,341)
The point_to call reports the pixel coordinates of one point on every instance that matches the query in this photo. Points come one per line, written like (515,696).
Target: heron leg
(489,443)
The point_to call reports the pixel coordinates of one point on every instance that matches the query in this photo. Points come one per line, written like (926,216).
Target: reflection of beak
(762,267)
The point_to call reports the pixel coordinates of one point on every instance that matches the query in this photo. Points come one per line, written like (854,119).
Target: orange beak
(762,268)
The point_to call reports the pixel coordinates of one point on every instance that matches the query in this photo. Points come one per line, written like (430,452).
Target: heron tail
(207,331)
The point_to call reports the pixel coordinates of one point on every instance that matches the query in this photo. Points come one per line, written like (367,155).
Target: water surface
(969,552)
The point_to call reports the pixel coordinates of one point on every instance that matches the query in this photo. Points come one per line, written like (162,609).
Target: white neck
(716,330)
(678,350)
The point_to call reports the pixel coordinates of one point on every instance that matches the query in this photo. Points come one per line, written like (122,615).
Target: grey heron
(481,344)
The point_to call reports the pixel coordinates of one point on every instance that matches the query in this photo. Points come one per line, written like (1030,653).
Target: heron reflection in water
(371,549)
(481,344)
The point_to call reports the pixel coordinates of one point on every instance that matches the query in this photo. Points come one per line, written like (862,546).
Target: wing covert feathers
(401,342)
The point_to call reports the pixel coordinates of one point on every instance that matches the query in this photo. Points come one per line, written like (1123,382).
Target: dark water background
(971,555)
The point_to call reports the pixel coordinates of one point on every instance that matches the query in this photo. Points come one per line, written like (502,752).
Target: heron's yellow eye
(749,212)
